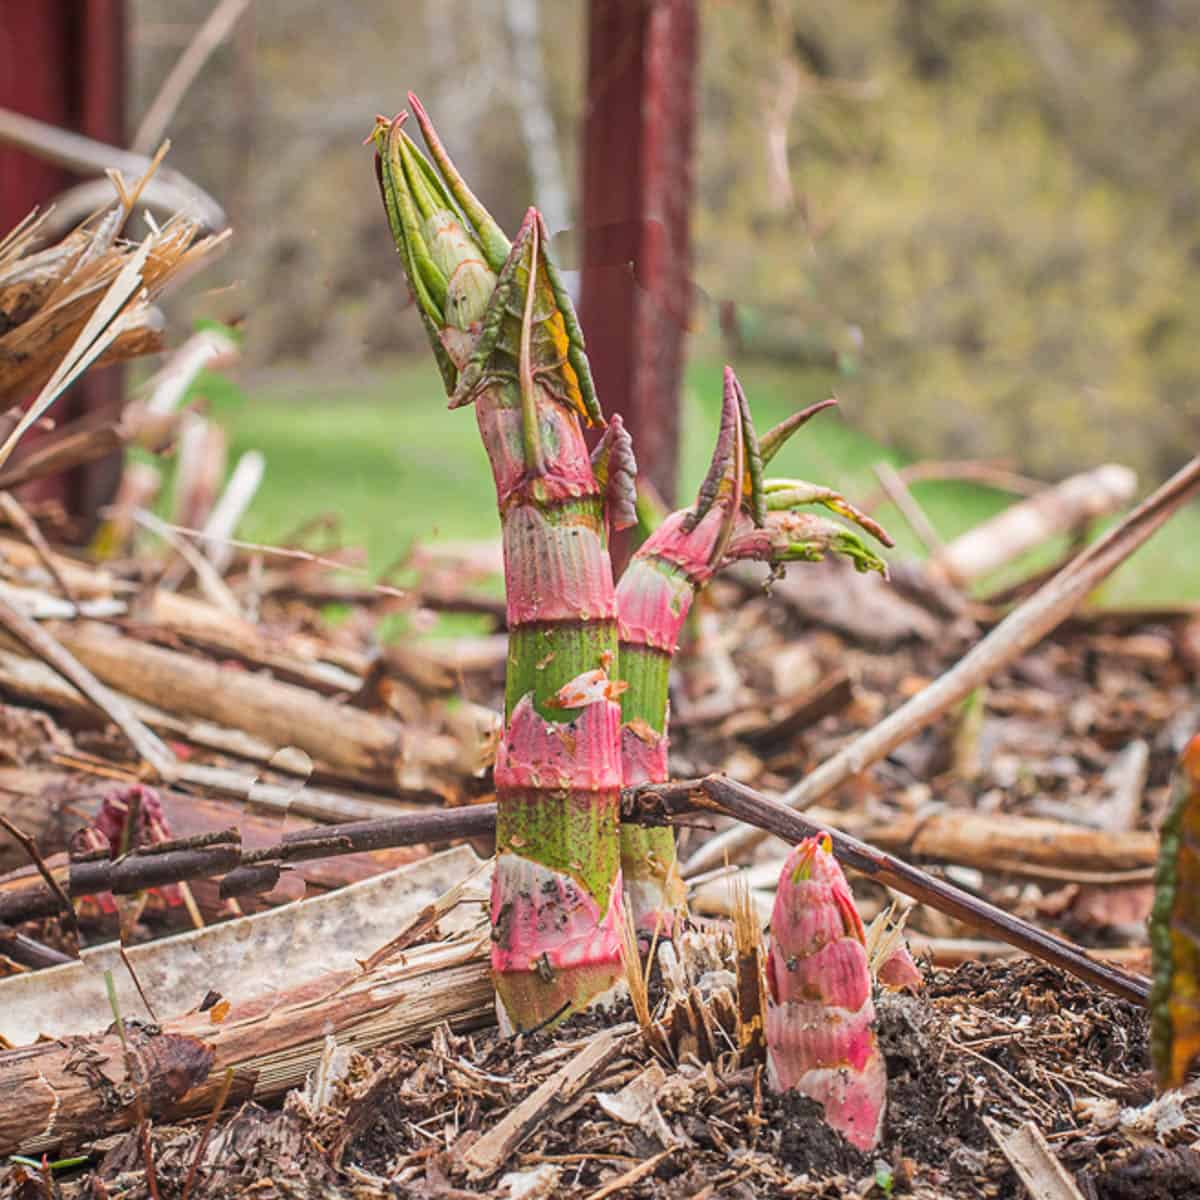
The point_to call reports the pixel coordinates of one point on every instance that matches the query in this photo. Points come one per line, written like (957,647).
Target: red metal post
(33,38)
(637,193)
(63,61)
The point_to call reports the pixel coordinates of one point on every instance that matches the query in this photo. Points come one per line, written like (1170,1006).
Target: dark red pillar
(63,61)
(637,193)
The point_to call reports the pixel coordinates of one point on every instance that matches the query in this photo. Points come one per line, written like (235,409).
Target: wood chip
(630,1177)
(1031,1158)
(486,1156)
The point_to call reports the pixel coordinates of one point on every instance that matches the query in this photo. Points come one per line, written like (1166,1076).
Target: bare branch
(718,794)
(86,156)
(183,74)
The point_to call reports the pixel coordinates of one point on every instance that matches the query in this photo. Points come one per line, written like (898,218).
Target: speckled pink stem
(556,891)
(656,591)
(654,597)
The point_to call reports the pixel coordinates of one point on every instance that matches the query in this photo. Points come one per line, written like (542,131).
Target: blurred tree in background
(986,211)
(990,205)
(274,127)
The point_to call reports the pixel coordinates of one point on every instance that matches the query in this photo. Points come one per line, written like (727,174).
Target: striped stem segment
(654,597)
(507,341)
(556,894)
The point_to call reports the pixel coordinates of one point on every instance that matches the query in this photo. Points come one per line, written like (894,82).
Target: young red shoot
(820,1016)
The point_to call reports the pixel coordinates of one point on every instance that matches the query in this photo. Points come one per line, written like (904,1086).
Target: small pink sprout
(820,1017)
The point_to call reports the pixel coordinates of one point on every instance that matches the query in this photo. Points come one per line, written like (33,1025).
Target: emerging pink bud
(820,1018)
(898,972)
(128,817)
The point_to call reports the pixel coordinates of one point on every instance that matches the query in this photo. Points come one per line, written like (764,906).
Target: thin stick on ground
(30,847)
(27,527)
(146,743)
(148,1159)
(897,492)
(218,1104)
(1020,630)
(634,1175)
(764,813)
(290,552)
(215,589)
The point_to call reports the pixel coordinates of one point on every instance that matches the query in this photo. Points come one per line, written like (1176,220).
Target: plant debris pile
(998,1043)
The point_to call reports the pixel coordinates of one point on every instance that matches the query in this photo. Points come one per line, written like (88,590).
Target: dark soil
(1003,1042)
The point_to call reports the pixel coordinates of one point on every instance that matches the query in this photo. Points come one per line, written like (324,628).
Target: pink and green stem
(737,515)
(507,340)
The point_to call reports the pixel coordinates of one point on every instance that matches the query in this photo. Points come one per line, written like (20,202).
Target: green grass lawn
(382,451)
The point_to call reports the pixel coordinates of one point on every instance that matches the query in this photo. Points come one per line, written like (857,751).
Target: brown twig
(137,983)
(63,904)
(174,862)
(769,815)
(1021,629)
(28,951)
(667,802)
(148,1158)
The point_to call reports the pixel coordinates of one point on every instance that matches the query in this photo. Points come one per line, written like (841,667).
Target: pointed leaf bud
(820,1017)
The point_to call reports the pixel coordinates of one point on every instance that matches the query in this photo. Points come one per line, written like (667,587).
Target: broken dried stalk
(487,1155)
(751,994)
(271,1041)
